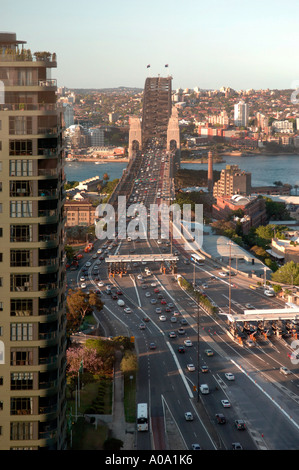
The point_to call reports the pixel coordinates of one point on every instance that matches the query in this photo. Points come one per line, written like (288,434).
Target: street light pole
(229,279)
(197,351)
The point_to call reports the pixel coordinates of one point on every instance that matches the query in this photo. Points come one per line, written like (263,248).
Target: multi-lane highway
(162,318)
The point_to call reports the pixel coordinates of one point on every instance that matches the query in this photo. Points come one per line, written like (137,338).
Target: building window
(20,188)
(21,209)
(21,331)
(20,125)
(20,282)
(21,431)
(21,233)
(21,357)
(21,381)
(20,258)
(21,307)
(20,168)
(20,147)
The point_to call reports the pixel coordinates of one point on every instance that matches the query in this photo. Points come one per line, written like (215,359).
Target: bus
(197,259)
(142,417)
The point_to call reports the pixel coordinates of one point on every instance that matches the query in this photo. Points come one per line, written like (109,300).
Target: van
(121,303)
(204,389)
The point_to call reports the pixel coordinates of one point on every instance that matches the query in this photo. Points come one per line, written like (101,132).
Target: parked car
(188,416)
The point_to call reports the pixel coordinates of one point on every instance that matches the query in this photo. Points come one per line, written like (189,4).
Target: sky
(206,44)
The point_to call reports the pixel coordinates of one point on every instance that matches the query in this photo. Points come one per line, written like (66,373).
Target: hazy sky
(209,44)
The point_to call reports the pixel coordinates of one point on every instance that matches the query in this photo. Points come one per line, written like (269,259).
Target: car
(172,334)
(170,305)
(176,314)
(158,310)
(188,416)
(191,367)
(162,318)
(114,297)
(147,294)
(237,446)
(139,277)
(195,447)
(250,343)
(100,284)
(146,319)
(153,301)
(173,320)
(183,321)
(284,370)
(209,352)
(142,326)
(83,285)
(181,349)
(205,286)
(127,310)
(167,309)
(82,278)
(153,284)
(156,290)
(222,274)
(220,418)
(229,376)
(204,369)
(181,331)
(225,403)
(88,264)
(269,293)
(163,302)
(249,306)
(188,342)
(240,424)
(152,346)
(119,292)
(94,256)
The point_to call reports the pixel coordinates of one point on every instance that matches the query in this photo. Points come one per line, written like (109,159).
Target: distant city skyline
(108,45)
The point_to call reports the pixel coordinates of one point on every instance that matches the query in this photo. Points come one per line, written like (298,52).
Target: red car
(163,302)
(156,290)
(119,292)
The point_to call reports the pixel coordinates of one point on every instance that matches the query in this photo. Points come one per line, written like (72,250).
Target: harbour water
(264,169)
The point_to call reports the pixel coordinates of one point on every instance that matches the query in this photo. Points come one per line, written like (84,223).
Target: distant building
(232,181)
(241,114)
(79,213)
(253,208)
(285,250)
(283,126)
(96,137)
(68,114)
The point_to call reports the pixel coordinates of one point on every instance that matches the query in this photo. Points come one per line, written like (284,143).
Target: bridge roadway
(260,393)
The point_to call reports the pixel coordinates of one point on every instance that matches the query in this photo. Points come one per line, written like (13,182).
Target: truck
(204,388)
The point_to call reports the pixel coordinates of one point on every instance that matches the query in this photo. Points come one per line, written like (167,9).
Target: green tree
(287,274)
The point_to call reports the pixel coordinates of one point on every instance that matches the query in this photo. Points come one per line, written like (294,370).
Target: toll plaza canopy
(266,314)
(141,258)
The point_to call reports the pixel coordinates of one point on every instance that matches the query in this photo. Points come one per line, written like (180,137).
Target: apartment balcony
(48,172)
(48,107)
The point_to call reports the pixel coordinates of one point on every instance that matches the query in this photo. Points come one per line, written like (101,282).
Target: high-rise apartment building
(32,277)
(232,181)
(241,114)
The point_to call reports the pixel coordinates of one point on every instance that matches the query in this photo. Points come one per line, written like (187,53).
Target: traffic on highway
(207,383)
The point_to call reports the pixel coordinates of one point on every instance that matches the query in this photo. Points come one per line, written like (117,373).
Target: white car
(205,286)
(249,306)
(229,376)
(222,274)
(83,285)
(82,278)
(225,403)
(173,320)
(284,370)
(187,342)
(269,293)
(147,294)
(127,310)
(100,284)
(188,416)
(162,318)
(88,264)
(191,367)
(139,277)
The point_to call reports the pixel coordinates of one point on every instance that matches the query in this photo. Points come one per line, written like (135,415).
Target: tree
(78,305)
(287,274)
(129,362)
(78,355)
